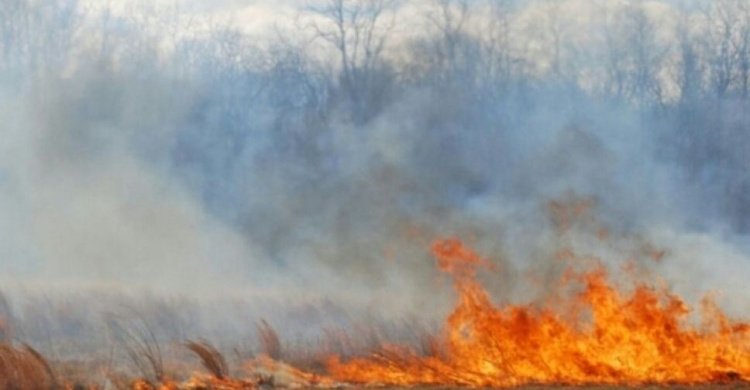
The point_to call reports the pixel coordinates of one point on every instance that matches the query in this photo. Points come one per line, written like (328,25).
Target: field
(24,368)
(635,336)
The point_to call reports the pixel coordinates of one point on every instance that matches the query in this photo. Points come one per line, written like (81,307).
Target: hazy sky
(257,15)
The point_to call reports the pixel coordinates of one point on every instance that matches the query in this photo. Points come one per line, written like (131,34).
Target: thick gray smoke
(150,153)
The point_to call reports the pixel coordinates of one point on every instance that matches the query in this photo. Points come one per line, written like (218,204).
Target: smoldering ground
(158,162)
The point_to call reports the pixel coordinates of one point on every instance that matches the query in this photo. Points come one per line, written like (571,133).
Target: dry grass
(141,345)
(269,340)
(22,369)
(211,359)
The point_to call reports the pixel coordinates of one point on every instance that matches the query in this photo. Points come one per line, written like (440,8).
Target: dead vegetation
(211,359)
(140,344)
(165,366)
(24,368)
(269,340)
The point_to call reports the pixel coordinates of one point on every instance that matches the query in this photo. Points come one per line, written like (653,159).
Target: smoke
(178,160)
(87,210)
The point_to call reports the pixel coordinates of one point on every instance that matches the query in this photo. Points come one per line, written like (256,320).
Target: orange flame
(634,338)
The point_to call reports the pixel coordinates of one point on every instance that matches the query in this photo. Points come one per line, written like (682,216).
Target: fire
(592,333)
(603,336)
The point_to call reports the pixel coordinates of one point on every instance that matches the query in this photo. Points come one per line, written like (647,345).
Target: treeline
(412,106)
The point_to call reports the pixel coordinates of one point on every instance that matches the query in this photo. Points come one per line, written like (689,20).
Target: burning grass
(634,338)
(596,335)
(593,332)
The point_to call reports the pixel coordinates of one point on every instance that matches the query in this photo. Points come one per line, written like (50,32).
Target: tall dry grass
(269,340)
(211,358)
(24,369)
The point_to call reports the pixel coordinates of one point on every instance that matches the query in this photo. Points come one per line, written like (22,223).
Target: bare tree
(497,47)
(634,57)
(36,38)
(615,81)
(726,43)
(449,18)
(358,30)
(742,47)
(648,57)
(690,72)
(556,32)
